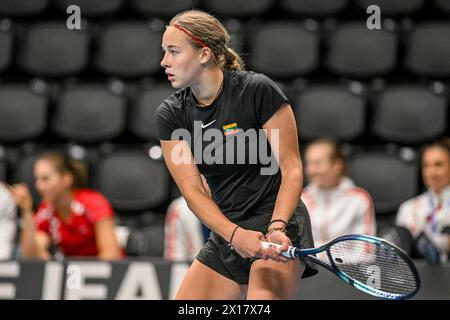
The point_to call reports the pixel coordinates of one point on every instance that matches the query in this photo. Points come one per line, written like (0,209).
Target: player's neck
(209,86)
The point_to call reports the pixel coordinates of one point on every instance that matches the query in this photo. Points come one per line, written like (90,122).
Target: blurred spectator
(8,223)
(184,234)
(427,216)
(337,207)
(73,220)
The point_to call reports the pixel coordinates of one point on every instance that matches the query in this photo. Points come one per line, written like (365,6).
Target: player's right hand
(248,243)
(22,197)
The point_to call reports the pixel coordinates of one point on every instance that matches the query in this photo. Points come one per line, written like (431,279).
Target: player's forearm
(289,193)
(208,212)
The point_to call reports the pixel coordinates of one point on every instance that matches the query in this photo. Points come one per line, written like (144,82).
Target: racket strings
(376,265)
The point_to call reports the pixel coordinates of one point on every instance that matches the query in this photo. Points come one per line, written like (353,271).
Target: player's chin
(177,84)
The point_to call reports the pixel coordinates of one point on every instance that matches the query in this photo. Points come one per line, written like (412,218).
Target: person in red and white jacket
(183,231)
(429,213)
(337,207)
(78,221)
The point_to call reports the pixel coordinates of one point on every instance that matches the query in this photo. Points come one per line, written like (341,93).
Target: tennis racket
(370,264)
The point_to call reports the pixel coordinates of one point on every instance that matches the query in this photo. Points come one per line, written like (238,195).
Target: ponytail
(232,60)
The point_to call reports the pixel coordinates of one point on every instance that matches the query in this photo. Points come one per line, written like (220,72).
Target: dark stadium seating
(314,8)
(238,8)
(389,179)
(23,113)
(429,50)
(92,8)
(23,171)
(6,41)
(393,8)
(283,49)
(94,89)
(143,111)
(20,8)
(356,51)
(128,49)
(89,113)
(331,111)
(409,114)
(3,165)
(443,5)
(50,49)
(132,181)
(162,8)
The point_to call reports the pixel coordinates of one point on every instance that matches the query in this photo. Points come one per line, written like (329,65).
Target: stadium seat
(50,49)
(23,173)
(6,45)
(143,111)
(356,51)
(89,113)
(238,8)
(429,50)
(409,114)
(283,50)
(92,8)
(162,8)
(148,240)
(391,8)
(443,5)
(330,111)
(314,8)
(132,181)
(3,167)
(129,49)
(389,179)
(22,8)
(23,113)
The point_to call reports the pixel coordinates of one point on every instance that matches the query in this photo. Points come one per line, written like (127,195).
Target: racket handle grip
(289,253)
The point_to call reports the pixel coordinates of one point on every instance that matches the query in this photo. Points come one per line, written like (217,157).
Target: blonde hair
(211,32)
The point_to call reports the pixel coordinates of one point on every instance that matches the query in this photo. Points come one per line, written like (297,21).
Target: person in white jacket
(183,232)
(428,214)
(8,223)
(183,236)
(337,207)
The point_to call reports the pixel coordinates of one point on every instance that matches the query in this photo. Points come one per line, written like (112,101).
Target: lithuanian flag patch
(230,129)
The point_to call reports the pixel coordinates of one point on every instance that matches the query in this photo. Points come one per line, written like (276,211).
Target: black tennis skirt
(217,255)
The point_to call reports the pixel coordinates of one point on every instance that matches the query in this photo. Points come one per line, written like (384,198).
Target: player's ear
(206,55)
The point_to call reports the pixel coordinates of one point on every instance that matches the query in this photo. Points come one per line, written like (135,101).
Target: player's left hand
(273,253)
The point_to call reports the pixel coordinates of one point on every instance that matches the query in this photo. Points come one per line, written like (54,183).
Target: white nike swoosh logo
(208,124)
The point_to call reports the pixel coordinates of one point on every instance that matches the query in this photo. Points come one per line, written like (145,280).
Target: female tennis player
(213,126)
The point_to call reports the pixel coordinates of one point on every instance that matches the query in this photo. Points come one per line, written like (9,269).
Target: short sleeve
(267,97)
(166,122)
(97,206)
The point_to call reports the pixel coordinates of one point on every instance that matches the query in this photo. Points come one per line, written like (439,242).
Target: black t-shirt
(228,143)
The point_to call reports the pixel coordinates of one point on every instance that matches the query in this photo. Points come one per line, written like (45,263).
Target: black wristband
(232,236)
(277,220)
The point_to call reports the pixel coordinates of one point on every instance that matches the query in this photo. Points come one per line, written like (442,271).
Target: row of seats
(404,113)
(136,179)
(236,8)
(283,49)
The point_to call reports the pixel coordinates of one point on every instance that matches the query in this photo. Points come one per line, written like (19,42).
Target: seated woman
(337,206)
(79,222)
(427,216)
